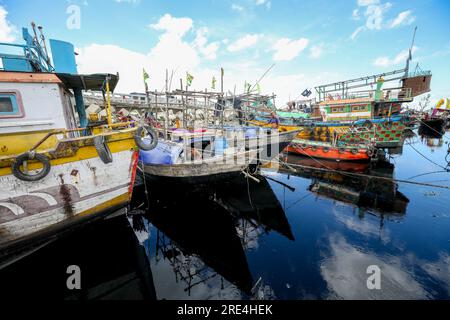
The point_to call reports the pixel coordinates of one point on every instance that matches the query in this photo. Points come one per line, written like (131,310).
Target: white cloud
(176,26)
(287,49)
(316,51)
(403,18)
(6,28)
(244,42)
(385,61)
(209,51)
(375,15)
(267,3)
(134,2)
(237,7)
(345,271)
(174,52)
(364,3)
(171,52)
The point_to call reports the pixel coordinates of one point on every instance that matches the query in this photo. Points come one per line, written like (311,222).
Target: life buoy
(19,174)
(142,142)
(103,150)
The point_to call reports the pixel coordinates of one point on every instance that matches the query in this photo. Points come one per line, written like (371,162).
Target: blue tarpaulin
(166,152)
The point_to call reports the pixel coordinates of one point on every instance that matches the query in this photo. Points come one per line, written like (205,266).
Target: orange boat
(337,152)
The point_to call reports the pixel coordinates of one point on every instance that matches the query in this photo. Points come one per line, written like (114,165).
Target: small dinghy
(212,154)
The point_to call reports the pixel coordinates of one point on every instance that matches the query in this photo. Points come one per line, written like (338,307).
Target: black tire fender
(150,132)
(31,156)
(103,150)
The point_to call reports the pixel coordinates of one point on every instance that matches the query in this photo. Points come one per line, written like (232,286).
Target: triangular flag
(145,75)
(189,79)
(248,86)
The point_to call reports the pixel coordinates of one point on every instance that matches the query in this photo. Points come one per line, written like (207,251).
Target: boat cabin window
(359,108)
(9,106)
(337,109)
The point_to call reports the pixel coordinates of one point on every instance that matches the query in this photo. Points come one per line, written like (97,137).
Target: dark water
(305,235)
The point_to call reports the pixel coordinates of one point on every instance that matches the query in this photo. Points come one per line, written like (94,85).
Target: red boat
(307,162)
(324,150)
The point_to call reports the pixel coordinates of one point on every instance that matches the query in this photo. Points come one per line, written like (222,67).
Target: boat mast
(410,53)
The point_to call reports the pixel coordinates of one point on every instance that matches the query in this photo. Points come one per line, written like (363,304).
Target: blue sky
(310,41)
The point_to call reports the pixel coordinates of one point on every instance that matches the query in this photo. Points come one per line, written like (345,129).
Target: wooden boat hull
(329,152)
(262,149)
(434,124)
(384,135)
(307,162)
(201,171)
(78,187)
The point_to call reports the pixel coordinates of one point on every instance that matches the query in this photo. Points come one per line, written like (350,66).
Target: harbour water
(290,236)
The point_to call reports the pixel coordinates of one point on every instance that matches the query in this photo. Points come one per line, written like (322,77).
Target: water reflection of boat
(255,201)
(209,242)
(371,188)
(208,232)
(113,267)
(428,132)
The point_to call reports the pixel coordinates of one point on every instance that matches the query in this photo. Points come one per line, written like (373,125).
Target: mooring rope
(328,169)
(425,157)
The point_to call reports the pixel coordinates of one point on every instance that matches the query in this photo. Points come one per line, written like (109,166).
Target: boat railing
(81,134)
(418,73)
(28,57)
(386,95)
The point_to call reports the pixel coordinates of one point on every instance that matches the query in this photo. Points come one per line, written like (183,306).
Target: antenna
(33,26)
(43,43)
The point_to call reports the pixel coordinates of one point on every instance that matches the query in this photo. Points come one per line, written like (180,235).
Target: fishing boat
(351,106)
(435,124)
(437,121)
(331,151)
(213,154)
(57,170)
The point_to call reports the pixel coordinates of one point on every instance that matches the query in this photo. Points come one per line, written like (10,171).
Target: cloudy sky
(310,42)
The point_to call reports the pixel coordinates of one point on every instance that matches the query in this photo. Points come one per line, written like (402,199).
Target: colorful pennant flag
(248,86)
(189,79)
